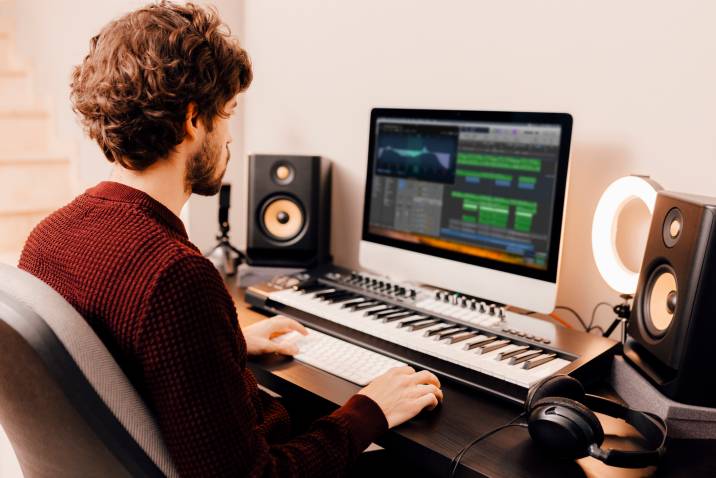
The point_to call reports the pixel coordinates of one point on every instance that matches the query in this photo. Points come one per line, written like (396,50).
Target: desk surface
(432,438)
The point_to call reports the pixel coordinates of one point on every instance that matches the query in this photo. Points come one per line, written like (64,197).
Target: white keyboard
(337,357)
(502,359)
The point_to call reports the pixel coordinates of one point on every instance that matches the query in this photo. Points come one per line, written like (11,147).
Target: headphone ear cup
(559,385)
(565,427)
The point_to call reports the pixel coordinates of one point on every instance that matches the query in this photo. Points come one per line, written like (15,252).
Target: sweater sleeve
(194,377)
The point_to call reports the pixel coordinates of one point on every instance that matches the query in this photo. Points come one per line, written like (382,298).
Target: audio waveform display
(420,152)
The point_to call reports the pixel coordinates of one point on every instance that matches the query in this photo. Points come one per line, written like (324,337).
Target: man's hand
(258,336)
(402,393)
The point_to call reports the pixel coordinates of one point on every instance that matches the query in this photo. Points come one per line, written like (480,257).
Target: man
(156,92)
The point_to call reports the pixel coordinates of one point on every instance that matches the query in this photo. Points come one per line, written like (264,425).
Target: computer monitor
(470,201)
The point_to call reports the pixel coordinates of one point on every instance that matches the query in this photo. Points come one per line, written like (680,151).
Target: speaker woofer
(661,300)
(282,218)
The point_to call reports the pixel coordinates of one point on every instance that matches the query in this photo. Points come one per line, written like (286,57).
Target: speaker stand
(684,421)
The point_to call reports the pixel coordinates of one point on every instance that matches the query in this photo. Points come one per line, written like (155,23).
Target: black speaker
(289,211)
(673,320)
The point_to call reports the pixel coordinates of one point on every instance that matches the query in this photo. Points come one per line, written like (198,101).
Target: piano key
(385,308)
(398,316)
(537,361)
(420,325)
(323,293)
(459,338)
(449,333)
(338,295)
(512,353)
(366,305)
(497,344)
(390,313)
(525,356)
(481,342)
(432,332)
(355,301)
(314,288)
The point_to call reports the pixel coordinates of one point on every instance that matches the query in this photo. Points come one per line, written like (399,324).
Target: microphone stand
(224,255)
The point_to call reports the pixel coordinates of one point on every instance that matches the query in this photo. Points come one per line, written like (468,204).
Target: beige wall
(638,76)
(54,37)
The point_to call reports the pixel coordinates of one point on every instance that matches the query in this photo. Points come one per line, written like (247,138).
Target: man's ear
(192,122)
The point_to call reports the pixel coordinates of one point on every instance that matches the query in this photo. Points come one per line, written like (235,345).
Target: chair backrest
(66,406)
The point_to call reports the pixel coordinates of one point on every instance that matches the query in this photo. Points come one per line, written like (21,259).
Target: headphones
(561,420)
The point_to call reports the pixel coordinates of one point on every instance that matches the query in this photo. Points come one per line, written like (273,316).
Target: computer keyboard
(337,357)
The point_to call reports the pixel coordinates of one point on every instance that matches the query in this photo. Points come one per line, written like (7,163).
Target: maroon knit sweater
(124,261)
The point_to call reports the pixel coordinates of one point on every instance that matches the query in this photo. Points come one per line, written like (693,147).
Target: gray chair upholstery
(65,404)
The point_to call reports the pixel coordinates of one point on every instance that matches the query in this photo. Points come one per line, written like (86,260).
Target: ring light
(604,229)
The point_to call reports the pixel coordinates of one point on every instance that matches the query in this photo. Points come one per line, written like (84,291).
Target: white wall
(638,76)
(54,37)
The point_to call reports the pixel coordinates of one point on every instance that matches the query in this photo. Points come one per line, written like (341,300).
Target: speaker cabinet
(673,321)
(289,211)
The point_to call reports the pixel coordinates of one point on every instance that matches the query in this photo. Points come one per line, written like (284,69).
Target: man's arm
(193,359)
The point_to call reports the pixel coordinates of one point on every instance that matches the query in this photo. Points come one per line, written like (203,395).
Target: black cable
(596,327)
(574,312)
(594,314)
(455,462)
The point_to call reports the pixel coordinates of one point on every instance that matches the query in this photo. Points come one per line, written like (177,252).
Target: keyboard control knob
(483,307)
(413,293)
(492,310)
(501,313)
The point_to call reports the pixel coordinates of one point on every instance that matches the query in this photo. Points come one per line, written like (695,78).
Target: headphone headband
(650,426)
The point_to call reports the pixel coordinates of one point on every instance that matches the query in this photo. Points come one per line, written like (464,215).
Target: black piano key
(481,342)
(313,288)
(336,294)
(319,295)
(398,316)
(340,297)
(432,332)
(518,359)
(537,361)
(388,312)
(341,300)
(512,353)
(345,298)
(351,302)
(386,308)
(450,333)
(366,305)
(459,338)
(497,344)
(419,323)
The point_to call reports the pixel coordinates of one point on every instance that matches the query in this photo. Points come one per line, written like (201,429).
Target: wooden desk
(432,438)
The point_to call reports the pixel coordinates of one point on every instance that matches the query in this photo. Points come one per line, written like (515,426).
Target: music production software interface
(482,189)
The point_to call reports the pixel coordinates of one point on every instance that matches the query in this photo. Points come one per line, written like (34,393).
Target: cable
(556,317)
(574,312)
(455,462)
(594,314)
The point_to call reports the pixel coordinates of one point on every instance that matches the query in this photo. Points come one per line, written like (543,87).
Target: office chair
(65,404)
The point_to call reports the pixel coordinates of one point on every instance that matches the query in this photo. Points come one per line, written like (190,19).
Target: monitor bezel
(549,274)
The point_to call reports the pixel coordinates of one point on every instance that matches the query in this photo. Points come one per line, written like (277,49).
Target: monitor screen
(485,188)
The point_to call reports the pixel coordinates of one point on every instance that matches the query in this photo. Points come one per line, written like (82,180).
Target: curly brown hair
(132,91)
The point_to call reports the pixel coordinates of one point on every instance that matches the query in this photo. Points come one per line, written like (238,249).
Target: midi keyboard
(483,345)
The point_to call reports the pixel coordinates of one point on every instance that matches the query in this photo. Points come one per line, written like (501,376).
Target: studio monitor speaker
(289,210)
(673,321)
